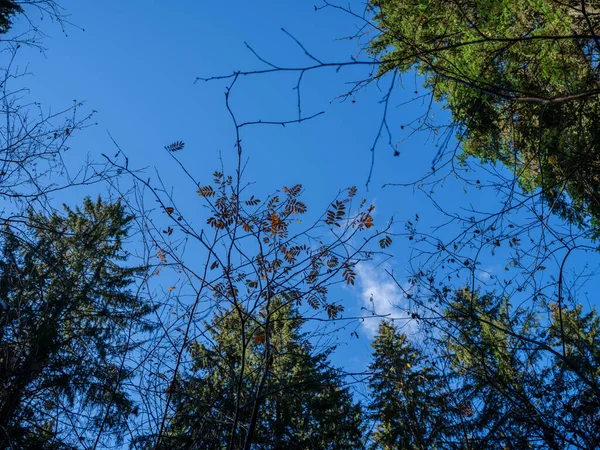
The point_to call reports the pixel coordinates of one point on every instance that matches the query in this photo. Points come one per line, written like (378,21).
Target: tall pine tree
(527,381)
(67,315)
(408,401)
(303,403)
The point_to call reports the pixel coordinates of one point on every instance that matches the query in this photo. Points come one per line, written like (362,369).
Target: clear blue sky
(136,63)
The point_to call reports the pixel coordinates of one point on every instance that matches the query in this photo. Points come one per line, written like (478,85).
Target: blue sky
(136,63)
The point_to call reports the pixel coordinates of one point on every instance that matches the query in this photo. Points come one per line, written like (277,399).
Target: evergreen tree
(8,8)
(528,384)
(497,379)
(499,374)
(67,317)
(520,79)
(303,403)
(408,406)
(573,388)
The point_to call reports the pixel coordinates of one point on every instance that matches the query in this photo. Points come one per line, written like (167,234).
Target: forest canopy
(186,307)
(521,81)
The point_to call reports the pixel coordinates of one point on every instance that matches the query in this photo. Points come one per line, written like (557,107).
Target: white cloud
(381,298)
(487,275)
(484,275)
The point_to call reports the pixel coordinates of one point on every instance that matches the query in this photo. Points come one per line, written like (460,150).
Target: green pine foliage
(575,376)
(521,79)
(409,404)
(303,404)
(499,374)
(8,8)
(495,379)
(523,388)
(67,312)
